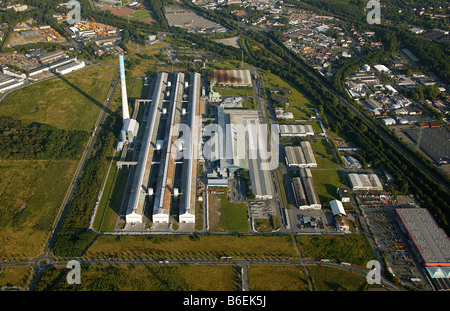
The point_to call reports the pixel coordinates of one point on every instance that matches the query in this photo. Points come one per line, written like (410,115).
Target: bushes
(38,141)
(73,237)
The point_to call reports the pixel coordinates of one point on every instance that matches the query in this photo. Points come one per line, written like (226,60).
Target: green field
(228,65)
(323,154)
(233,216)
(327,183)
(234,91)
(31,193)
(71,102)
(335,279)
(266,225)
(17,277)
(111,200)
(193,246)
(294,278)
(144,278)
(263,278)
(354,249)
(296,98)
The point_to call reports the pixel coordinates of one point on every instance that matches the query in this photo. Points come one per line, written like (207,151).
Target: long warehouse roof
(430,240)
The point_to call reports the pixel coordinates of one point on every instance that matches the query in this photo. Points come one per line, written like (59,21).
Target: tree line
(73,237)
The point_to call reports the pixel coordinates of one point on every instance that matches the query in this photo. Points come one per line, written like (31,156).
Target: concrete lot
(177,16)
(389,239)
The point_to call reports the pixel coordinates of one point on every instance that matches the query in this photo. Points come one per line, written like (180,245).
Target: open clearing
(227,216)
(263,278)
(193,246)
(30,194)
(71,102)
(17,277)
(145,278)
(180,17)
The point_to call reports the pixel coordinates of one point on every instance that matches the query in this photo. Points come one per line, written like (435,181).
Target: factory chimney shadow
(89,97)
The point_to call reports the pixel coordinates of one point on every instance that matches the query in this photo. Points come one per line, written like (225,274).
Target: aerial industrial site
(224,146)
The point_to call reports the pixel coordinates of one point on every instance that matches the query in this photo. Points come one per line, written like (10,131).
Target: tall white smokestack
(125,112)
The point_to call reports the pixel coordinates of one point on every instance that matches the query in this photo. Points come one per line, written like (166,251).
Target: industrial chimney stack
(125,112)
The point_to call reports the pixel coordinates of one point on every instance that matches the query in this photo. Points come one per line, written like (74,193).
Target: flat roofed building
(5,79)
(301,156)
(431,243)
(231,77)
(230,146)
(11,85)
(68,68)
(261,181)
(135,208)
(299,130)
(305,191)
(365,182)
(187,210)
(344,195)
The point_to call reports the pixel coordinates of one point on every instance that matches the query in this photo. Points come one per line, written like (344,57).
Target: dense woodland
(38,141)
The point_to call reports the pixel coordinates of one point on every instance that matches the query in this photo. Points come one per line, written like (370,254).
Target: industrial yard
(186,158)
(184,18)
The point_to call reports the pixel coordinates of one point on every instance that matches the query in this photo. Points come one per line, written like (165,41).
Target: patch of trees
(73,237)
(38,141)
(423,92)
(433,55)
(157,6)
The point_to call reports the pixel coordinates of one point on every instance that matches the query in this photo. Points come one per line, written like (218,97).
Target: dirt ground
(230,41)
(213,210)
(17,39)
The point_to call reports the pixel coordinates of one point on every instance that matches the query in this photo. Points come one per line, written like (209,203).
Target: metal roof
(337,207)
(430,240)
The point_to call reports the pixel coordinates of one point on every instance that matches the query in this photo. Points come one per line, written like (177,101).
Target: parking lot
(261,209)
(394,247)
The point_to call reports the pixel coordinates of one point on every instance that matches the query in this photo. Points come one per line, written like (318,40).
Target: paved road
(244,263)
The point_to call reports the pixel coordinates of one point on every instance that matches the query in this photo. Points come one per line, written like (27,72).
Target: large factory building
(165,174)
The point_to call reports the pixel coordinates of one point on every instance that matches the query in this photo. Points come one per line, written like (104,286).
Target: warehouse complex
(430,243)
(305,191)
(300,156)
(165,173)
(365,182)
(237,146)
(298,130)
